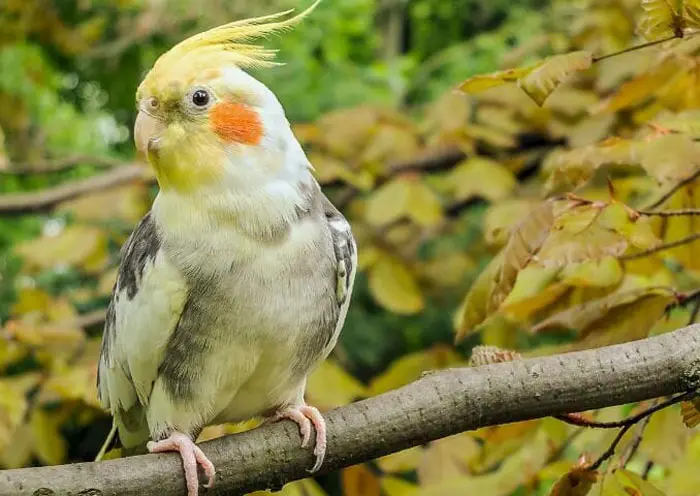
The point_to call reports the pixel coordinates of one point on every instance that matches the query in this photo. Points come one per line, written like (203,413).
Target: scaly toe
(191,455)
(296,416)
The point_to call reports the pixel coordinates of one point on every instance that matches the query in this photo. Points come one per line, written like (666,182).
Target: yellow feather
(229,44)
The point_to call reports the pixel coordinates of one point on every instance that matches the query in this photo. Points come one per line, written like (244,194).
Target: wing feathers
(146,304)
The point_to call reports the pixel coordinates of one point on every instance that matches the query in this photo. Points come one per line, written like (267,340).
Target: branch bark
(440,404)
(39,201)
(57,165)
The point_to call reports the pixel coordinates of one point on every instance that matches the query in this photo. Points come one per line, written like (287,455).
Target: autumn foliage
(550,206)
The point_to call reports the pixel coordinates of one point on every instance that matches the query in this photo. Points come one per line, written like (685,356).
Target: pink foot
(191,455)
(304,416)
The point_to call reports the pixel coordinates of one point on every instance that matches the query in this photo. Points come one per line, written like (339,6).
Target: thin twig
(670,213)
(662,247)
(694,313)
(635,48)
(675,188)
(579,421)
(629,422)
(611,449)
(634,445)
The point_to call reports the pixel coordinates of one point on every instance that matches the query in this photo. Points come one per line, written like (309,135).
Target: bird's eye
(200,98)
(153,103)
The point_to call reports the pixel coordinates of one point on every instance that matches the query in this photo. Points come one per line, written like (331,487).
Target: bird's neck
(264,213)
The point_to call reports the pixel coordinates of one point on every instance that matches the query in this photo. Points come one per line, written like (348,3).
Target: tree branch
(58,164)
(439,404)
(660,248)
(38,201)
(673,190)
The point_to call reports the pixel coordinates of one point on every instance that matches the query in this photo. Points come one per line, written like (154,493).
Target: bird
(236,284)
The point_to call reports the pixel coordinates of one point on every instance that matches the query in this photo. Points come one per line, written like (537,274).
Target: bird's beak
(147,131)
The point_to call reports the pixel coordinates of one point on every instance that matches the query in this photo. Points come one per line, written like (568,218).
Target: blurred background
(431,179)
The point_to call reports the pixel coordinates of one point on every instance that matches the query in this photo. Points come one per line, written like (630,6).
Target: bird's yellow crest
(229,44)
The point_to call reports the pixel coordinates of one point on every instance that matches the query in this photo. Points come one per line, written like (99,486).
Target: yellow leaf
(632,484)
(578,236)
(571,169)
(497,280)
(502,216)
(669,158)
(329,386)
(601,273)
(580,317)
(489,135)
(525,240)
(401,461)
(346,131)
(76,245)
(447,270)
(128,203)
(577,482)
(20,453)
(483,178)
(304,487)
(529,306)
(628,322)
(49,445)
(483,82)
(447,458)
(358,480)
(391,144)
(393,486)
(501,441)
(474,309)
(389,202)
(665,438)
(639,232)
(530,283)
(47,334)
(328,169)
(13,406)
(107,281)
(691,13)
(424,206)
(547,76)
(31,299)
(660,20)
(691,413)
(61,311)
(640,88)
(409,368)
(515,470)
(394,287)
(72,383)
(498,330)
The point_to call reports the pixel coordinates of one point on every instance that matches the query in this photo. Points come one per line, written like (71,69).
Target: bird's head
(203,121)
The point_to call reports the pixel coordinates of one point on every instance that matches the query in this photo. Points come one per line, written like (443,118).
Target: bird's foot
(304,416)
(191,455)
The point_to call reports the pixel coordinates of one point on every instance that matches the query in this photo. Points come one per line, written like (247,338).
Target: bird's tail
(108,442)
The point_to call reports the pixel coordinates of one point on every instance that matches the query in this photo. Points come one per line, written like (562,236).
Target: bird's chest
(262,311)
(261,290)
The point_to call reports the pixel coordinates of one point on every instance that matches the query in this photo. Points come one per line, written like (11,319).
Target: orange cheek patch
(236,122)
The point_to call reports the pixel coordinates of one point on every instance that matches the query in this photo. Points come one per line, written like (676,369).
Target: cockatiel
(236,284)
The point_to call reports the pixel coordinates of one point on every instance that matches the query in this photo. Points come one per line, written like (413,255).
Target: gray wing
(346,256)
(146,304)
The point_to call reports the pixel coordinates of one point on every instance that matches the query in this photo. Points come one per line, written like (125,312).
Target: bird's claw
(191,455)
(304,416)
